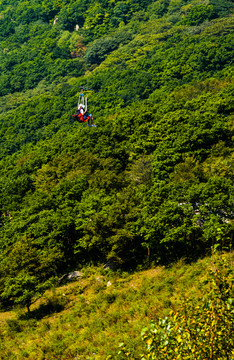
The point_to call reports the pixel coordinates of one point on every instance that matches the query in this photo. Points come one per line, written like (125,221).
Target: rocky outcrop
(70,276)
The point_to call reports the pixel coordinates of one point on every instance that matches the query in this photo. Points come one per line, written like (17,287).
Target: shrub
(198,14)
(202,330)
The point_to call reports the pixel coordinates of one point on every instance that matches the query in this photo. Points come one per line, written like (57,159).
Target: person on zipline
(82,116)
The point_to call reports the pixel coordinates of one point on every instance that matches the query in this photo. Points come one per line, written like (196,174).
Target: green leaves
(28,270)
(198,14)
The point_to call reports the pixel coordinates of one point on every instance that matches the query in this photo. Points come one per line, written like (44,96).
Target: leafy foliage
(199,330)
(28,273)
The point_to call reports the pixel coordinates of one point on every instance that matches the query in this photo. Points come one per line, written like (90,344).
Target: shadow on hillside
(54,305)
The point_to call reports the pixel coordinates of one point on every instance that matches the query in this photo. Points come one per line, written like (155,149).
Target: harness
(81,117)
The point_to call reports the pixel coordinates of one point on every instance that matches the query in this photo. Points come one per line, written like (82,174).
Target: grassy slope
(89,318)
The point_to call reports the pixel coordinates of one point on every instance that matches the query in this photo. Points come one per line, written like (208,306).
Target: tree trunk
(149,254)
(28,307)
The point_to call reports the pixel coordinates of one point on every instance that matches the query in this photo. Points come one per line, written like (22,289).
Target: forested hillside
(153,182)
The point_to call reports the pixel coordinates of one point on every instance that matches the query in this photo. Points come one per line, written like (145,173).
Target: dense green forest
(153,182)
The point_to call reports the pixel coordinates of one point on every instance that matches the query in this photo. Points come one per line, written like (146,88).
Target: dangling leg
(91,120)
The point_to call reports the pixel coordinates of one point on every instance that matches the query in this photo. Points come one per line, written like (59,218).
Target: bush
(198,14)
(100,48)
(202,330)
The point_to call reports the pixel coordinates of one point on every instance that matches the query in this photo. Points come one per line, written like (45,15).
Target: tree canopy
(154,180)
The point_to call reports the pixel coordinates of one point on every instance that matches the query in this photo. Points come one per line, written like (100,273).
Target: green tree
(222,7)
(26,271)
(198,14)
